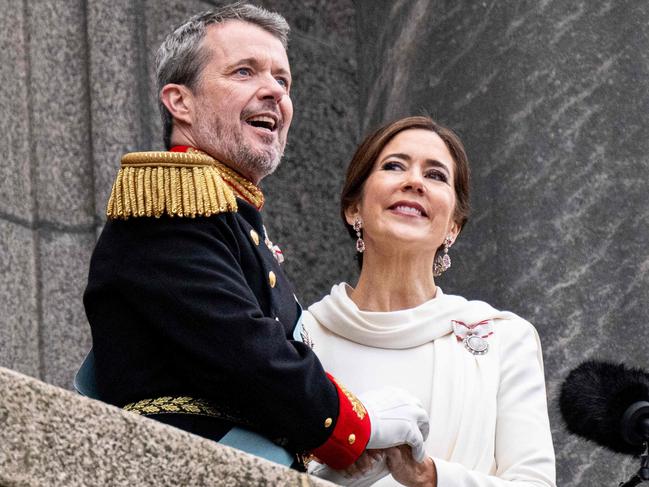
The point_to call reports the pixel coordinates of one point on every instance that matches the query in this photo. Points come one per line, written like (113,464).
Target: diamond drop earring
(443,261)
(360,245)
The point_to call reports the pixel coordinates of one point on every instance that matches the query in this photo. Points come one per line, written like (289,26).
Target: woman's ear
(179,100)
(453,231)
(351,212)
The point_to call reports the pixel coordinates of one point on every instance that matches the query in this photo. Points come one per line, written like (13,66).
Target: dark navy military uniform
(200,307)
(193,320)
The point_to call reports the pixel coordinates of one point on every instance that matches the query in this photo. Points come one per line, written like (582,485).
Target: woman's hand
(407,471)
(369,468)
(370,462)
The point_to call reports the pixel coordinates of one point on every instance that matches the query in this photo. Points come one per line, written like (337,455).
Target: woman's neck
(394,282)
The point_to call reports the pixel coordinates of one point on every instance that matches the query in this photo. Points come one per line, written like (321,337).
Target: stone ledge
(51,436)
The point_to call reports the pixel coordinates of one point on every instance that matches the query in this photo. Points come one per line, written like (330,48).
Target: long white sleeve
(523,445)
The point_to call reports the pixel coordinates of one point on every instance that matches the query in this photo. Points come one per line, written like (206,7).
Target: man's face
(241,103)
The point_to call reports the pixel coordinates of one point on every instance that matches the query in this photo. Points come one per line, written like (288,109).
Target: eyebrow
(429,162)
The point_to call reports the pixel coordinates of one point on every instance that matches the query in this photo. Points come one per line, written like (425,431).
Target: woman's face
(409,197)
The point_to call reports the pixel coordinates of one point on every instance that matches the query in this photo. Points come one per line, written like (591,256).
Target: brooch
(473,336)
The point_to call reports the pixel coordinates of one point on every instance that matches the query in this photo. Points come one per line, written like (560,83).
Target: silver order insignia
(476,345)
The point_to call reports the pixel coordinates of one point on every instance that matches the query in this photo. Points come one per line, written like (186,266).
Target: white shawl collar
(399,329)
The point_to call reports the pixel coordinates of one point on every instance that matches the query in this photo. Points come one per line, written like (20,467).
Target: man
(193,322)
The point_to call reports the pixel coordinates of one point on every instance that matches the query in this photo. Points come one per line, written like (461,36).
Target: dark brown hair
(365,156)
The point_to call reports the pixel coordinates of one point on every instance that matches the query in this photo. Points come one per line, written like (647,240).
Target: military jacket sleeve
(200,307)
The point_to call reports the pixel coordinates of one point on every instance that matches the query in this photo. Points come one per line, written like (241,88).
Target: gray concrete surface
(50,436)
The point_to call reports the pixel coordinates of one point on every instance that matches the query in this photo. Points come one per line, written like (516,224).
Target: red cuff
(350,434)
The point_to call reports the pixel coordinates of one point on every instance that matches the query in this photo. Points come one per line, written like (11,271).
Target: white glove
(397,418)
(378,470)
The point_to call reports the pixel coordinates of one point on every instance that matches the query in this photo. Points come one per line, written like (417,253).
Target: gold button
(328,422)
(351,439)
(254,236)
(272,279)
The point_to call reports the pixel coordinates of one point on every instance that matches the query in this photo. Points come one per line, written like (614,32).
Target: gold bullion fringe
(153,184)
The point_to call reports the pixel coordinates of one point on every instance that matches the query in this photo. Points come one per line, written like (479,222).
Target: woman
(478,370)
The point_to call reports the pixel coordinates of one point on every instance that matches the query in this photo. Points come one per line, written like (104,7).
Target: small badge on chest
(274,249)
(473,336)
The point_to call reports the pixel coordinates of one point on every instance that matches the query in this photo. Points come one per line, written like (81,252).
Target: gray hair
(180,58)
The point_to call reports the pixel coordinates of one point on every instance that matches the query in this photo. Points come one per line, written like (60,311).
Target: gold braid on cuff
(184,405)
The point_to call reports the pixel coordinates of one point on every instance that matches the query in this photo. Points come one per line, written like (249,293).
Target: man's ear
(179,100)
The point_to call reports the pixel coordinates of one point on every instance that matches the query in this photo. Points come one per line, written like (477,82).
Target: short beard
(219,139)
(261,163)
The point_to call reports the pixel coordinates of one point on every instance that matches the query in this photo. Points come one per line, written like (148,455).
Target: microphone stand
(642,474)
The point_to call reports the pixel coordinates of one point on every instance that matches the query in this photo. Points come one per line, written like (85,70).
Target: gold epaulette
(181,184)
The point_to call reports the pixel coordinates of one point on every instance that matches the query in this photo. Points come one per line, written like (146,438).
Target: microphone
(609,404)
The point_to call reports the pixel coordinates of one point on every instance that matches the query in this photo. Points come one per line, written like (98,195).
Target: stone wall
(550,97)
(51,436)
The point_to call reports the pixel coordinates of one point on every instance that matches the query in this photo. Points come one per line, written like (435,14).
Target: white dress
(488,413)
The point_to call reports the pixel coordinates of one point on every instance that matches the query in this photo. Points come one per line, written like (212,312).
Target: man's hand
(397,418)
(407,471)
